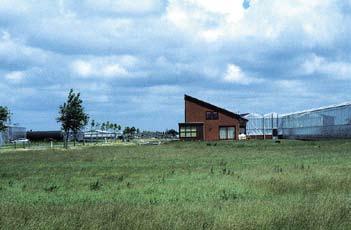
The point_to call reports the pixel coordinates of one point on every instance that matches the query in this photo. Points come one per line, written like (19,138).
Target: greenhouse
(261,126)
(325,122)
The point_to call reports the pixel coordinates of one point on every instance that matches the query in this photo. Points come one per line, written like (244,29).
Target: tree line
(73,118)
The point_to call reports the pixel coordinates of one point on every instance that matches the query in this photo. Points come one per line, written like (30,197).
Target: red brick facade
(195,112)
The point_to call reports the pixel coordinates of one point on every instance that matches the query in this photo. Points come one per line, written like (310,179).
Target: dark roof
(213,107)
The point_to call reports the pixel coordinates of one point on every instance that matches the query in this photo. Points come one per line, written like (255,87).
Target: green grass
(241,185)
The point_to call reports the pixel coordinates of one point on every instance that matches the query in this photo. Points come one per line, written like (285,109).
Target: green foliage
(130,130)
(72,115)
(225,185)
(4,117)
(171,132)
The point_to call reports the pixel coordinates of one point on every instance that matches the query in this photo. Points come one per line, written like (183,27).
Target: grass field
(242,185)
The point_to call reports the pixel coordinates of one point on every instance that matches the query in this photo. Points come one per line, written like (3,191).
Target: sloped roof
(213,107)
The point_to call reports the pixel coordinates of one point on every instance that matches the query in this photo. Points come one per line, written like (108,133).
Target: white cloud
(104,67)
(319,65)
(14,52)
(113,70)
(82,68)
(15,76)
(124,6)
(313,22)
(98,68)
(234,74)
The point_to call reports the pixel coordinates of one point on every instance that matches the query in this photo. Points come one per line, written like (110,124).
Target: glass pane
(215,115)
(182,134)
(223,133)
(182,129)
(231,133)
(188,134)
(193,134)
(193,129)
(208,116)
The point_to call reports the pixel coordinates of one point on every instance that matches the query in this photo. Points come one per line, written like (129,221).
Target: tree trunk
(66,140)
(74,139)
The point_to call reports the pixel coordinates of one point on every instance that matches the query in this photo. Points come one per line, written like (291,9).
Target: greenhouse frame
(325,122)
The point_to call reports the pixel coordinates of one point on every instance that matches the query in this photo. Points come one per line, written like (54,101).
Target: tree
(171,132)
(72,116)
(107,125)
(132,130)
(126,130)
(4,117)
(92,124)
(112,126)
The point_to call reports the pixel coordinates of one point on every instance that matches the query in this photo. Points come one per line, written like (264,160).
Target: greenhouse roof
(318,109)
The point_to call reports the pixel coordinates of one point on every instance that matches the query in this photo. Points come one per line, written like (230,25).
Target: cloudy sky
(133,61)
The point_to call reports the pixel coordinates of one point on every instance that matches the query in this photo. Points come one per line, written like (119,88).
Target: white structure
(332,121)
(12,133)
(260,125)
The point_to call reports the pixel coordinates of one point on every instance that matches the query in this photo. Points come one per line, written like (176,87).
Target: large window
(227,133)
(188,132)
(210,115)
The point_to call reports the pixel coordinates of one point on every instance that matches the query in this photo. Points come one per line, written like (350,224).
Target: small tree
(4,117)
(132,131)
(171,132)
(72,116)
(126,130)
(92,124)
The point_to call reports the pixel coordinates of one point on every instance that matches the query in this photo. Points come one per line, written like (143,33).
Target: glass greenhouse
(325,122)
(260,125)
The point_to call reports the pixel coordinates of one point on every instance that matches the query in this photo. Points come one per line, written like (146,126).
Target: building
(326,122)
(12,133)
(261,126)
(204,121)
(332,121)
(45,135)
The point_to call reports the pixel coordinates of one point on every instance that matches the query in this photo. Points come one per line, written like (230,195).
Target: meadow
(199,185)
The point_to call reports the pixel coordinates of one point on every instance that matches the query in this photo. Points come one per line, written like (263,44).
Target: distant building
(12,133)
(204,121)
(45,135)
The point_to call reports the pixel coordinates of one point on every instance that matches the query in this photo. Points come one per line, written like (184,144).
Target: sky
(133,61)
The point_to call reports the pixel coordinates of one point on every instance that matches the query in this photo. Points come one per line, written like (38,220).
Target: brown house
(204,121)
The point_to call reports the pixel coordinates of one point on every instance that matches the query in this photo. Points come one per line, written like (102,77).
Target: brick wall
(197,113)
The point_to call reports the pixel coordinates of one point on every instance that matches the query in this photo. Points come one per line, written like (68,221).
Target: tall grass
(242,185)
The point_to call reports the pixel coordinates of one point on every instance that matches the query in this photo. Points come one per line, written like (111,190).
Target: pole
(264,135)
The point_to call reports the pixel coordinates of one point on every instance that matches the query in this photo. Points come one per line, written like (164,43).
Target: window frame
(227,132)
(212,115)
(188,131)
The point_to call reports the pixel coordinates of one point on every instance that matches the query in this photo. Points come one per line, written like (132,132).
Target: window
(210,115)
(227,133)
(223,133)
(188,132)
